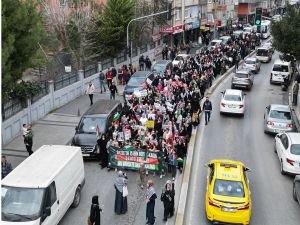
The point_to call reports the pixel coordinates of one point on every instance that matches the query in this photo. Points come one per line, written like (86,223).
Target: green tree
(109,27)
(286,33)
(21,33)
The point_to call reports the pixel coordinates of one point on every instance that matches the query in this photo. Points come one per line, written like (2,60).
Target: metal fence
(44,91)
(11,108)
(122,57)
(143,48)
(65,80)
(107,63)
(90,70)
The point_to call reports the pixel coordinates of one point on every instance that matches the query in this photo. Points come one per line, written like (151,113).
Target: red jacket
(109,76)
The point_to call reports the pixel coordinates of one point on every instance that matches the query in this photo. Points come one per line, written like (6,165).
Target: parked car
(225,39)
(233,102)
(278,118)
(136,83)
(264,54)
(269,44)
(98,118)
(253,64)
(296,189)
(281,70)
(215,43)
(161,66)
(180,59)
(243,78)
(43,187)
(287,147)
(228,196)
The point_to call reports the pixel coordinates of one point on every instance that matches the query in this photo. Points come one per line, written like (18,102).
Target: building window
(187,13)
(178,17)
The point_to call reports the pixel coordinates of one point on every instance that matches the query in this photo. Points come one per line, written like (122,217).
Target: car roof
(294,136)
(216,40)
(164,62)
(285,108)
(225,37)
(228,169)
(142,74)
(104,106)
(251,59)
(233,92)
(281,62)
(184,55)
(264,47)
(243,70)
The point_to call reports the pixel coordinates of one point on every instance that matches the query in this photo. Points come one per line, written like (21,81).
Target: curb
(188,165)
(294,110)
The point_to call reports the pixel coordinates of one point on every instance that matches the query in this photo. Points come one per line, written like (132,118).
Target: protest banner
(150,124)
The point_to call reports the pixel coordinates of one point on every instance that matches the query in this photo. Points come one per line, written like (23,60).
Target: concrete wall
(12,127)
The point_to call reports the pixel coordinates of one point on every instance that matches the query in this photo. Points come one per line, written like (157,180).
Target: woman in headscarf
(102,143)
(120,201)
(167,197)
(151,196)
(95,211)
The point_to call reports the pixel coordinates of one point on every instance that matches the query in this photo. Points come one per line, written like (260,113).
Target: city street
(243,138)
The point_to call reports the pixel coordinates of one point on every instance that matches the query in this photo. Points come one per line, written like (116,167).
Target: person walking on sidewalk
(6,167)
(207,107)
(28,140)
(113,90)
(109,78)
(121,197)
(102,81)
(167,197)
(150,198)
(295,92)
(94,218)
(90,91)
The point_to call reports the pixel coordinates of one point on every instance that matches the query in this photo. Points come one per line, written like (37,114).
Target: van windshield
(280,68)
(89,125)
(21,204)
(262,52)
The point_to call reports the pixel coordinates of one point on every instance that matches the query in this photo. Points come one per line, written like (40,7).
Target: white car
(253,64)
(180,59)
(233,102)
(215,43)
(287,147)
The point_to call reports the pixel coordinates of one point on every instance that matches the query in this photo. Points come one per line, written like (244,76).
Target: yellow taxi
(227,192)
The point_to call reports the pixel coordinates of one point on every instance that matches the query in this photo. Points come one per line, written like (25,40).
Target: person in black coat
(167,197)
(102,142)
(95,211)
(151,196)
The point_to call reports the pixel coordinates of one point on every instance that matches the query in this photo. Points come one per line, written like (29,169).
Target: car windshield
(248,61)
(262,52)
(21,204)
(89,124)
(241,75)
(160,68)
(280,68)
(229,188)
(178,58)
(236,98)
(282,115)
(214,43)
(136,81)
(295,149)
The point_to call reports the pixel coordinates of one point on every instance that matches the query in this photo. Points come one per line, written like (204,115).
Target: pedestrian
(90,91)
(114,73)
(25,131)
(113,90)
(150,198)
(172,163)
(102,142)
(109,78)
(142,173)
(207,107)
(237,60)
(167,197)
(121,196)
(94,218)
(142,62)
(28,140)
(6,167)
(295,92)
(102,81)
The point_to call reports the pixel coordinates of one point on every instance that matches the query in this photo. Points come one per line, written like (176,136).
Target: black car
(100,115)
(296,189)
(161,66)
(136,81)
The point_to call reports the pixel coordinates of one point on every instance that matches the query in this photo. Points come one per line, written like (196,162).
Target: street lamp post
(135,19)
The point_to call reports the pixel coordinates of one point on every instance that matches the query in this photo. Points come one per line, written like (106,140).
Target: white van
(280,70)
(264,54)
(43,187)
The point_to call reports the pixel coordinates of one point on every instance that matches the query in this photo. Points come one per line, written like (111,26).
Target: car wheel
(281,168)
(294,193)
(77,197)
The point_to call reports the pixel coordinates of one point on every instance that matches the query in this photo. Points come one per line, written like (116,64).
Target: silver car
(242,78)
(278,119)
(253,64)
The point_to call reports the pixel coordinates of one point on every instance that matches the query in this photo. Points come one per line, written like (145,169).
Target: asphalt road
(243,139)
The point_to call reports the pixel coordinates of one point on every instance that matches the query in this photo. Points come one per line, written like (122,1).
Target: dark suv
(101,114)
(243,78)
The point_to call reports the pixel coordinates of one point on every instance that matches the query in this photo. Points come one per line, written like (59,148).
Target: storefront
(172,35)
(246,13)
(191,31)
